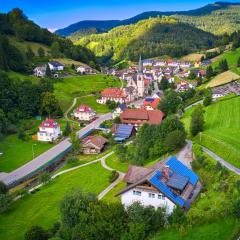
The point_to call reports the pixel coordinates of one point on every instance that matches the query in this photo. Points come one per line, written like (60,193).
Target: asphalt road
(40,161)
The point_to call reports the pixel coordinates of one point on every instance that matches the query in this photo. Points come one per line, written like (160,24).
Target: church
(136,87)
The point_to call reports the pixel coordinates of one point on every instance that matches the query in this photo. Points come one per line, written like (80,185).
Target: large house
(113,94)
(49,131)
(93,144)
(40,71)
(168,184)
(84,113)
(56,66)
(85,70)
(137,117)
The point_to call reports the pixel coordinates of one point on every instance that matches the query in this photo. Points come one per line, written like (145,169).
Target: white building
(56,66)
(84,70)
(166,184)
(118,110)
(40,71)
(112,94)
(84,113)
(49,131)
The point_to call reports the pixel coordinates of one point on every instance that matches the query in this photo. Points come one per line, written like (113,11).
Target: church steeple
(140,65)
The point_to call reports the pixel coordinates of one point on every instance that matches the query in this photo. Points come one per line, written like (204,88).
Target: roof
(122,106)
(113,92)
(177,181)
(56,64)
(152,102)
(49,123)
(124,131)
(84,108)
(183,170)
(139,116)
(97,141)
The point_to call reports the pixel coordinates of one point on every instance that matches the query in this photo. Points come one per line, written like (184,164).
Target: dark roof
(124,131)
(56,64)
(177,181)
(122,106)
(183,170)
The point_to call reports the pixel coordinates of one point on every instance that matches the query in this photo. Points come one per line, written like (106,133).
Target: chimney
(166,171)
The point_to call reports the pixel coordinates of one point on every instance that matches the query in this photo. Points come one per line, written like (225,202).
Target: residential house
(113,94)
(40,71)
(119,110)
(94,144)
(49,131)
(167,184)
(84,113)
(122,131)
(56,66)
(151,103)
(184,86)
(137,117)
(85,70)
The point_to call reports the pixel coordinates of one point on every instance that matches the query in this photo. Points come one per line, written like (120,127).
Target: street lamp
(33,149)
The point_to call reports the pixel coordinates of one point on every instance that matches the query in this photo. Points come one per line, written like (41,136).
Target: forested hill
(15,25)
(218,17)
(150,38)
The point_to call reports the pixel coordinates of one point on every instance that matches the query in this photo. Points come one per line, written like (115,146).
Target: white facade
(103,100)
(147,198)
(140,85)
(49,134)
(84,116)
(55,68)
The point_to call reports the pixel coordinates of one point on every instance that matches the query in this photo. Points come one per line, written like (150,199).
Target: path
(69,109)
(222,161)
(185,155)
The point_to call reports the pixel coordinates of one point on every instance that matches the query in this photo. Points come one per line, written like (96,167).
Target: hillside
(218,18)
(150,38)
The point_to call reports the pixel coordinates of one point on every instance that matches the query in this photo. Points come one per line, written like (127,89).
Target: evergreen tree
(223,65)
(238,62)
(48,71)
(209,72)
(55,50)
(30,54)
(41,52)
(197,121)
(67,129)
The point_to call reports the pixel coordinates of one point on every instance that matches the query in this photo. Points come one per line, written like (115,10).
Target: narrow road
(69,109)
(185,155)
(222,161)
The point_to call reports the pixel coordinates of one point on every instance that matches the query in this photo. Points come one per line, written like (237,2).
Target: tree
(76,143)
(236,207)
(223,65)
(175,140)
(238,62)
(121,152)
(209,72)
(164,84)
(48,71)
(111,104)
(177,217)
(5,202)
(55,50)
(41,52)
(36,233)
(197,121)
(192,75)
(30,54)
(67,129)
(44,178)
(50,105)
(3,188)
(208,98)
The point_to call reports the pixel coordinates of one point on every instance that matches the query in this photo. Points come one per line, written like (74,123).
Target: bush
(114,175)
(5,202)
(236,208)
(3,188)
(36,233)
(44,178)
(72,160)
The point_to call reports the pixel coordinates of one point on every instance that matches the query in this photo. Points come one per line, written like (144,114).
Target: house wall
(128,198)
(83,116)
(48,134)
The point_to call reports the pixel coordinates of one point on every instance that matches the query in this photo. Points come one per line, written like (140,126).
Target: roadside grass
(17,152)
(42,207)
(222,229)
(114,162)
(110,196)
(222,129)
(223,78)
(68,88)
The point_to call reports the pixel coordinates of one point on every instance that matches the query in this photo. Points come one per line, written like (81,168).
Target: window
(151,195)
(161,196)
(137,193)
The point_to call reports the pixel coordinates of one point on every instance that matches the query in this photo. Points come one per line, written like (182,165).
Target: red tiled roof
(152,104)
(49,123)
(98,141)
(84,108)
(113,92)
(140,116)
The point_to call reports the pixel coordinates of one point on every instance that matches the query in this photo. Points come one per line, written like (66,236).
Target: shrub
(3,188)
(114,175)
(72,160)
(36,233)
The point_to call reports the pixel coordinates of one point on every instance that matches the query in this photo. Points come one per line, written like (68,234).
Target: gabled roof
(49,123)
(181,169)
(124,131)
(84,108)
(113,92)
(97,141)
(56,64)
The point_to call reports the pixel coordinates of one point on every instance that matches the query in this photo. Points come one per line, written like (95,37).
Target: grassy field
(110,197)
(67,61)
(114,162)
(193,57)
(17,152)
(91,102)
(42,207)
(222,129)
(223,78)
(77,86)
(221,230)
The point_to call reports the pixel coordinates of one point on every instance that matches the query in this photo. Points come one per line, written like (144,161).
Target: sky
(55,14)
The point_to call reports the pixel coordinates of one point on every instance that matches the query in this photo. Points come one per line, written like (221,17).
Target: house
(147,63)
(94,144)
(112,94)
(151,103)
(122,131)
(202,73)
(40,71)
(168,184)
(84,70)
(56,66)
(84,113)
(156,95)
(184,86)
(137,117)
(49,131)
(119,110)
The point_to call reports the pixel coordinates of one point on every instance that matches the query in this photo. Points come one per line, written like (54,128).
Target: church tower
(140,79)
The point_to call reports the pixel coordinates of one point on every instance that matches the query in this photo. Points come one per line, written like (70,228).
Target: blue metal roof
(149,100)
(124,131)
(156,181)
(122,106)
(181,169)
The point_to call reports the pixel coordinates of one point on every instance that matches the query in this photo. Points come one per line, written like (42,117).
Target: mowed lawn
(222,129)
(17,152)
(42,207)
(68,88)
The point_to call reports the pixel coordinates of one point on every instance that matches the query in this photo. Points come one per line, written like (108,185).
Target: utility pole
(33,149)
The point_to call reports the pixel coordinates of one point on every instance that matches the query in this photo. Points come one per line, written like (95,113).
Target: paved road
(222,161)
(185,155)
(44,158)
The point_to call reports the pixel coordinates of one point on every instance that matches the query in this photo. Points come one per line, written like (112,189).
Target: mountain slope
(208,10)
(150,38)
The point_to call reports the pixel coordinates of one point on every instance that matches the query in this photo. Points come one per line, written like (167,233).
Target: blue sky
(60,13)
